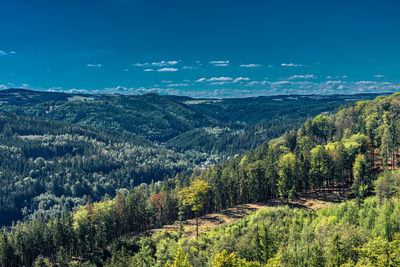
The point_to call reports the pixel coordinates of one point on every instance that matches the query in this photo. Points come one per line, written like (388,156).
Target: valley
(107,196)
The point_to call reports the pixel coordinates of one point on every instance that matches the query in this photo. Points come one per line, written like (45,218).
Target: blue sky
(201,48)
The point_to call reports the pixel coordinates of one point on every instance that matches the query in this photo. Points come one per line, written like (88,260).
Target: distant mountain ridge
(182,122)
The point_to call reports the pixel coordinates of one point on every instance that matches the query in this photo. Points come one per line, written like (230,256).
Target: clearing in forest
(314,199)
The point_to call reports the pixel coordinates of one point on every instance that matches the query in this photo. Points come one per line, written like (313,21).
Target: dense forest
(103,143)
(183,123)
(349,148)
(48,166)
(348,234)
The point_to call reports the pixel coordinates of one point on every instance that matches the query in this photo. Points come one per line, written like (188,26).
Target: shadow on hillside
(238,212)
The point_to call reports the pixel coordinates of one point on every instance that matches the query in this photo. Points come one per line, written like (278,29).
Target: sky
(219,48)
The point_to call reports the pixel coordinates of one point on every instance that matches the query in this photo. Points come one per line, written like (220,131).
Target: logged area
(308,200)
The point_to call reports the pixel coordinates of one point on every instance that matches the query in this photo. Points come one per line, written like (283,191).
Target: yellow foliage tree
(194,196)
(223,259)
(181,260)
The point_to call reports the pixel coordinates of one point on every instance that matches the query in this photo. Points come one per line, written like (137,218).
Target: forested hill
(349,148)
(49,166)
(152,116)
(218,127)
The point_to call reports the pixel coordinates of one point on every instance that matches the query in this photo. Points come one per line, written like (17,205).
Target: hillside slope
(184,123)
(152,116)
(49,166)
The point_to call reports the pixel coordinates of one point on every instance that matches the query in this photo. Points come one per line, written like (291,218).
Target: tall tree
(319,169)
(159,200)
(194,196)
(386,145)
(359,172)
(287,175)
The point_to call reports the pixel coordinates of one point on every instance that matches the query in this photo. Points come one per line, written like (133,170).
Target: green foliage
(47,167)
(359,173)
(317,258)
(181,259)
(42,262)
(319,165)
(194,196)
(387,185)
(264,244)
(223,259)
(74,161)
(287,174)
(276,237)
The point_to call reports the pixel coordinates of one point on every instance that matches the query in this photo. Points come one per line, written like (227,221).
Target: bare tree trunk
(393,162)
(342,181)
(197,226)
(363,185)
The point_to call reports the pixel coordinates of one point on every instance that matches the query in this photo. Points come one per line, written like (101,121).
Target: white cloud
(125,69)
(219,63)
(215,79)
(337,77)
(306,76)
(168,69)
(241,79)
(223,80)
(333,82)
(55,89)
(147,70)
(279,83)
(379,76)
(365,82)
(177,84)
(172,62)
(218,83)
(162,63)
(4,53)
(94,65)
(250,65)
(292,65)
(229,89)
(253,83)
(77,91)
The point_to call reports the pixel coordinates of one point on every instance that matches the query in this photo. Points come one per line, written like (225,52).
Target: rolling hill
(183,123)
